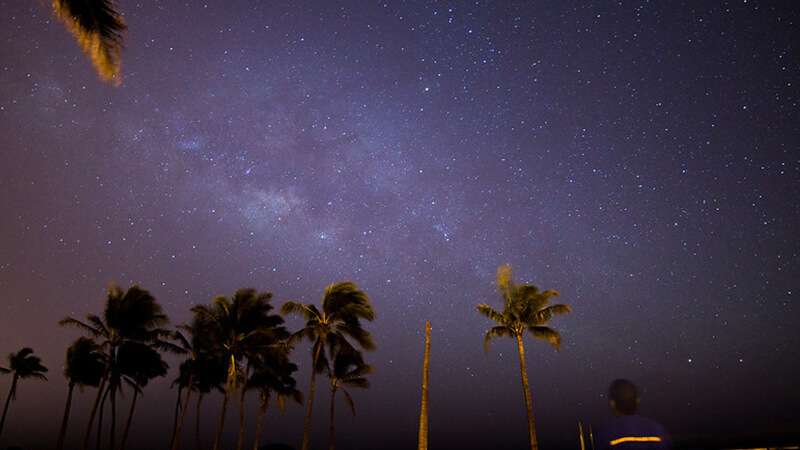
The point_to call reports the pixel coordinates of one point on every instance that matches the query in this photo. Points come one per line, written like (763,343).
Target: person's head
(623,397)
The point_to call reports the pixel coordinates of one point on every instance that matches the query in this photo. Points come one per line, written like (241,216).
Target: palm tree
(273,373)
(98,28)
(237,329)
(84,367)
(210,374)
(185,380)
(525,308)
(138,364)
(343,305)
(349,370)
(21,365)
(132,315)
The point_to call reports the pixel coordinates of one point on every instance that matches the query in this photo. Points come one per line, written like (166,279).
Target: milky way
(641,158)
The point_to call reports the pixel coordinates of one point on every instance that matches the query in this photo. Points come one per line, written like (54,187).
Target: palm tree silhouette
(349,370)
(237,329)
(210,374)
(525,308)
(21,365)
(185,380)
(98,28)
(85,365)
(343,305)
(273,374)
(138,364)
(129,315)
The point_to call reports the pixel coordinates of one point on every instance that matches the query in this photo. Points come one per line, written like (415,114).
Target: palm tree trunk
(221,424)
(527,391)
(262,413)
(93,414)
(111,440)
(332,427)
(240,439)
(128,422)
(176,440)
(100,419)
(11,393)
(197,423)
(175,417)
(422,441)
(63,432)
(310,401)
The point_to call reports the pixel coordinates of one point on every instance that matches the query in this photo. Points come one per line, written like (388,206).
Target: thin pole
(423,413)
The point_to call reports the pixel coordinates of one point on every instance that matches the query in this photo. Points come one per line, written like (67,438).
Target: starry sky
(643,158)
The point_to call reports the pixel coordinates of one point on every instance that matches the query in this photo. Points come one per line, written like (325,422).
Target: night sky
(643,158)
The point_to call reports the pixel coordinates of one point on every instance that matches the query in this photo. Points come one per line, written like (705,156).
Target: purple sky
(643,158)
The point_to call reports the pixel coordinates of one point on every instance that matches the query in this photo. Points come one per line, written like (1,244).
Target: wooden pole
(423,413)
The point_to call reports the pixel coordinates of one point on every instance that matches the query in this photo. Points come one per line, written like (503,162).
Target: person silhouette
(628,430)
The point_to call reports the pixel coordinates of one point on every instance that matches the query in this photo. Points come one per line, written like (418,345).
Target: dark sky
(643,158)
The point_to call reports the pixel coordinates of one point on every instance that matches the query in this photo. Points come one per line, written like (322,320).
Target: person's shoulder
(651,423)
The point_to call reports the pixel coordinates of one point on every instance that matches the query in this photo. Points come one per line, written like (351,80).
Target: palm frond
(300,309)
(359,334)
(346,300)
(494,332)
(544,315)
(97,322)
(505,282)
(350,401)
(71,322)
(358,372)
(548,334)
(491,313)
(359,382)
(98,28)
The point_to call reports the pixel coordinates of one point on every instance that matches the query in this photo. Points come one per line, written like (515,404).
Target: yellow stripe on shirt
(636,439)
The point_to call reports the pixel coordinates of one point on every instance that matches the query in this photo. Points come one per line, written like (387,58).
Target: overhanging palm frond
(98,28)
(548,334)
(359,334)
(350,401)
(71,322)
(544,315)
(358,373)
(494,332)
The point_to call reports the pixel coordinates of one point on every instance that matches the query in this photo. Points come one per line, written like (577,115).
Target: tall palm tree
(21,365)
(138,364)
(129,315)
(98,28)
(85,365)
(237,329)
(349,370)
(525,309)
(343,307)
(273,374)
